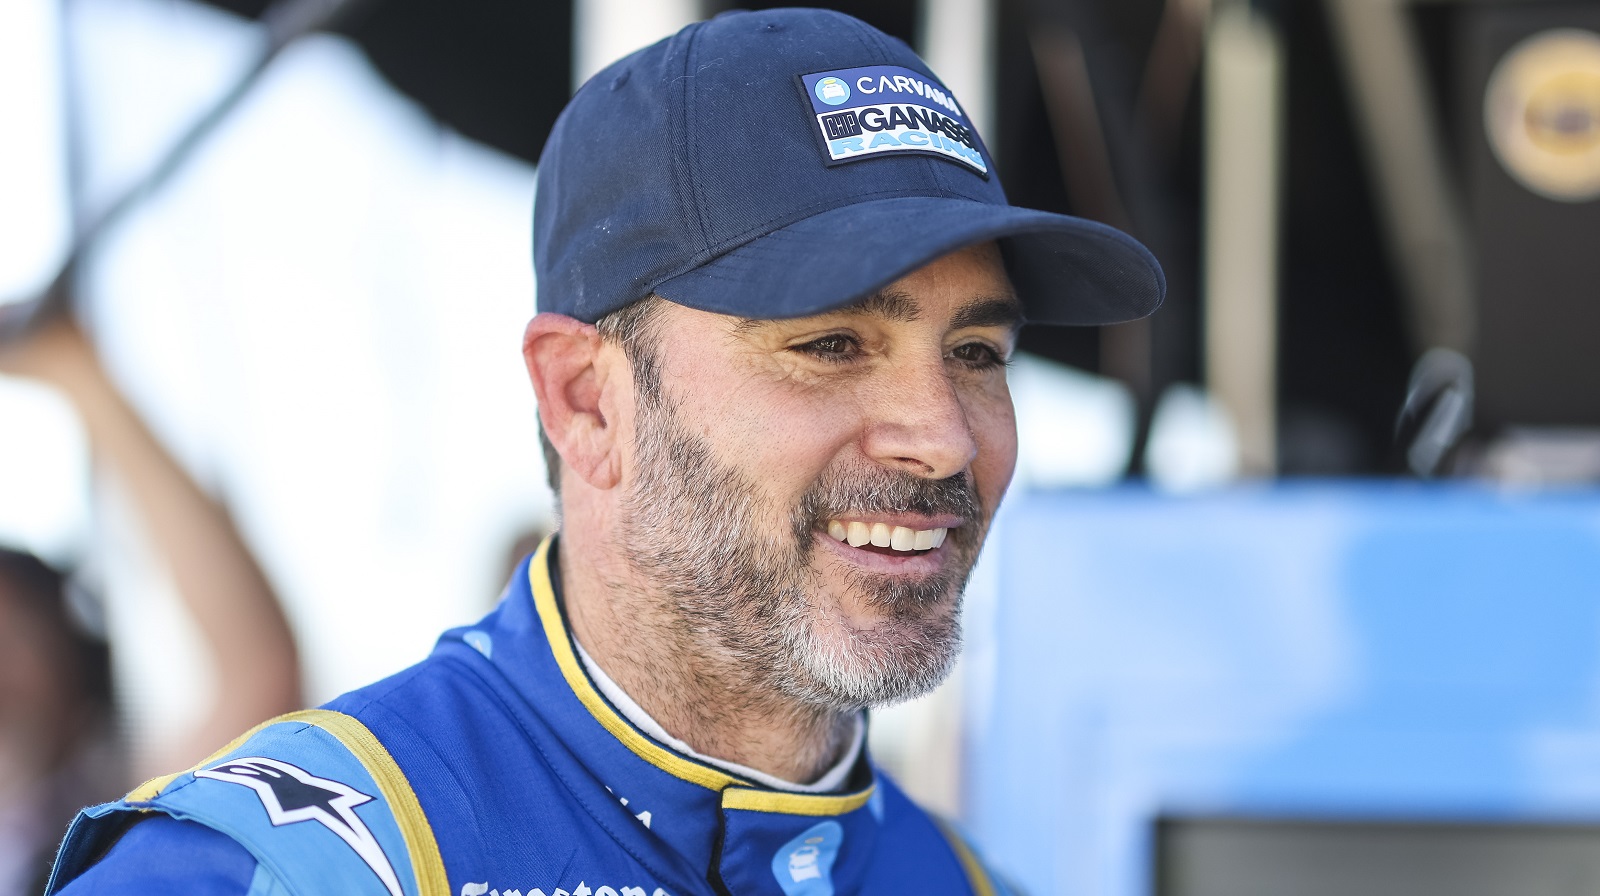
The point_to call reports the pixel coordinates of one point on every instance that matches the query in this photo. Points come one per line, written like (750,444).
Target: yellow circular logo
(1542,114)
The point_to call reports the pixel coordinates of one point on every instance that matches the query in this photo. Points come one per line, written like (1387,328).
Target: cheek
(995,429)
(779,434)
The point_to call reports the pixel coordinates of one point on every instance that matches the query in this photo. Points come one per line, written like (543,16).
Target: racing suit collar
(834,780)
(751,837)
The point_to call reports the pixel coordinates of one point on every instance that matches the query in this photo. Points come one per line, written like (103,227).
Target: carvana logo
(832,91)
(804,865)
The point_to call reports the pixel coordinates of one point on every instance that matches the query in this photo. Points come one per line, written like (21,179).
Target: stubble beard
(694,529)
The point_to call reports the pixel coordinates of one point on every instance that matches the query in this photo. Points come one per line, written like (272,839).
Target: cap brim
(1066,270)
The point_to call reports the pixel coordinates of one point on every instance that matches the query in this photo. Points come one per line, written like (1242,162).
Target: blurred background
(1297,589)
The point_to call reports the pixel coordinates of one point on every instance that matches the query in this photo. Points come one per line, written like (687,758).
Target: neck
(698,692)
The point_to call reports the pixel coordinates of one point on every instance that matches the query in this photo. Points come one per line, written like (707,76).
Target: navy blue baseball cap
(788,162)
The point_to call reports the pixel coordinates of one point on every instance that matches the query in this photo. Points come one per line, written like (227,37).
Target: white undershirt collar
(830,782)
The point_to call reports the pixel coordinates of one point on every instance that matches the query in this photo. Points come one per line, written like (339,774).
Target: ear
(564,365)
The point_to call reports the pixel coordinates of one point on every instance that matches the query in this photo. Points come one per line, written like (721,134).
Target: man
(778,284)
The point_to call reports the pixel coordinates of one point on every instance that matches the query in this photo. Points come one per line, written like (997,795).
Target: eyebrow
(885,303)
(898,306)
(997,312)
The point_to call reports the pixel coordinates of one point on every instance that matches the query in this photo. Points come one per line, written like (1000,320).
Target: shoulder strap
(313,795)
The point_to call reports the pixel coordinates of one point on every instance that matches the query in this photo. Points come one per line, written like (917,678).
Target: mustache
(880,491)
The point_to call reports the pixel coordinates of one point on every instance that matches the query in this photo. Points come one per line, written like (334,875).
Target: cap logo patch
(875,110)
(832,91)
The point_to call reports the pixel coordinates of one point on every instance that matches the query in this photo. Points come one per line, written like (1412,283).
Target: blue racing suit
(496,768)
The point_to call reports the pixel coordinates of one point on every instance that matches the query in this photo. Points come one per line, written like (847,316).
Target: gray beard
(693,528)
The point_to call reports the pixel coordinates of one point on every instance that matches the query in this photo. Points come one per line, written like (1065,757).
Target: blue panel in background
(1315,651)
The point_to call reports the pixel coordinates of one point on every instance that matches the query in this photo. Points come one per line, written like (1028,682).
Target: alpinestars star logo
(291,794)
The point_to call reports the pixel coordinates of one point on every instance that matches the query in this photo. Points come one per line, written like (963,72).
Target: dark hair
(630,327)
(44,593)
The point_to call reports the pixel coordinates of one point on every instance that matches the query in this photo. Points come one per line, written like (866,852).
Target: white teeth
(901,539)
(880,535)
(883,535)
(859,534)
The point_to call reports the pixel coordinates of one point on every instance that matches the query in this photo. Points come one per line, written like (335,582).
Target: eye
(834,348)
(978,355)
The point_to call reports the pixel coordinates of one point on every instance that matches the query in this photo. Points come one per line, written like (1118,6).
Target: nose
(920,425)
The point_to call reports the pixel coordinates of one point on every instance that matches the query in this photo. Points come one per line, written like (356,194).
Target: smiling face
(811,494)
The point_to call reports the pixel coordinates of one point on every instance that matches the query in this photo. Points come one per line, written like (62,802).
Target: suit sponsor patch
(482,888)
(292,795)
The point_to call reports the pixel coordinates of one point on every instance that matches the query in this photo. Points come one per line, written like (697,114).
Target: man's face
(768,450)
